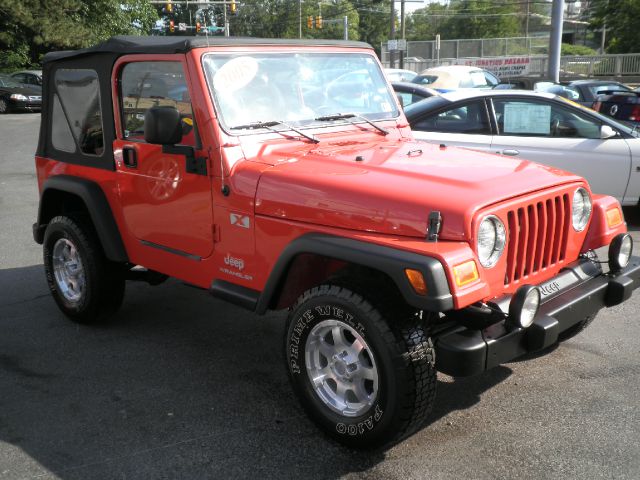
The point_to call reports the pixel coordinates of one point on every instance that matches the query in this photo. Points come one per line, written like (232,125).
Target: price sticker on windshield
(235,74)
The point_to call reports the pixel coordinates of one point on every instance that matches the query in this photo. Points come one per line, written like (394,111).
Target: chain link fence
(481,47)
(480,52)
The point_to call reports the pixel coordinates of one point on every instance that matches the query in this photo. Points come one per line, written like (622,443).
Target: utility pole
(226,25)
(392,34)
(555,41)
(402,31)
(346,27)
(299,18)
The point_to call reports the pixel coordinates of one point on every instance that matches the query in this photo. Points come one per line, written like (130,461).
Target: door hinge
(215,230)
(197,165)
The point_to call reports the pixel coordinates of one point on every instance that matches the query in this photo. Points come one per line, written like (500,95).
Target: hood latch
(433,227)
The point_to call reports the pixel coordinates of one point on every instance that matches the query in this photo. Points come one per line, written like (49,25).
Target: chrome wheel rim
(68,270)
(341,368)
(3,105)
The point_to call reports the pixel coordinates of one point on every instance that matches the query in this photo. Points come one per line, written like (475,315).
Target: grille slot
(538,234)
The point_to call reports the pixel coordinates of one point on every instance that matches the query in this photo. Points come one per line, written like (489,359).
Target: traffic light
(310,22)
(232,7)
(172,26)
(198,27)
(319,21)
(169,7)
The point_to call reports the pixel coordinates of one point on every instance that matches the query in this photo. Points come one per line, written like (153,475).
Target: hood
(24,90)
(390,186)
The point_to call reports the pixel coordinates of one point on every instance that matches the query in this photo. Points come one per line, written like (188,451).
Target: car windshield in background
(424,79)
(297,89)
(479,79)
(614,87)
(6,81)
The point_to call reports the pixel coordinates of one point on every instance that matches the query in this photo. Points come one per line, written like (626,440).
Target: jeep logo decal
(234,262)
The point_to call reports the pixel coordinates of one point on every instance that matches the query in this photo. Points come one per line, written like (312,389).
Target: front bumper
(462,351)
(26,106)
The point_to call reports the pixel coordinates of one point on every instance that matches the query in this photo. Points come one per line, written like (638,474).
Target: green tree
(425,23)
(374,23)
(621,20)
(30,28)
(483,19)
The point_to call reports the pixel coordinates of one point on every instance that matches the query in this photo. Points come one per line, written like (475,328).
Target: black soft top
(135,44)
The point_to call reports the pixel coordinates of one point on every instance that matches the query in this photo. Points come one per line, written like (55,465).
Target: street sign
(182,27)
(392,45)
(402,44)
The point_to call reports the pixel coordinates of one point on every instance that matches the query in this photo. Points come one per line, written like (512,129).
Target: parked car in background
(541,127)
(583,92)
(623,106)
(565,91)
(399,75)
(516,83)
(18,96)
(409,93)
(29,77)
(453,77)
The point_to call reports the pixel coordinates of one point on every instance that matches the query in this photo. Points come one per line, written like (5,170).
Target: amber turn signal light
(416,280)
(466,273)
(614,217)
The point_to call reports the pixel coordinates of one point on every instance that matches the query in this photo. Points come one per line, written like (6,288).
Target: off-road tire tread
(409,336)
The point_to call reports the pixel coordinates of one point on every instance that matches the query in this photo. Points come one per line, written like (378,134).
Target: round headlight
(620,251)
(581,209)
(524,306)
(491,241)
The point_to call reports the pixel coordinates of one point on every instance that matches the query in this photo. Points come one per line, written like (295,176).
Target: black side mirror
(162,126)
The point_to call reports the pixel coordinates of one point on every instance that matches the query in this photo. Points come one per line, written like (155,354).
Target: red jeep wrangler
(282,174)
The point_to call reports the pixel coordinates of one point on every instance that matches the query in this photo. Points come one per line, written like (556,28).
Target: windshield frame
(310,123)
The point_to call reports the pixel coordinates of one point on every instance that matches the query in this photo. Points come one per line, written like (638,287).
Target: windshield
(614,87)
(296,88)
(6,81)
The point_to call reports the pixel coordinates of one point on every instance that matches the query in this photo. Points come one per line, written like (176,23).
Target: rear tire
(366,378)
(4,106)
(87,287)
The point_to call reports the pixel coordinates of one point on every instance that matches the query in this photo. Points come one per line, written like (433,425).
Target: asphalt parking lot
(183,386)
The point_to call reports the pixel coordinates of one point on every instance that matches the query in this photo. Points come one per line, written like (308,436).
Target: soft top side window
(148,84)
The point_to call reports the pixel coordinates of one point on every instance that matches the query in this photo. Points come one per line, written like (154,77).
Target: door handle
(510,152)
(130,157)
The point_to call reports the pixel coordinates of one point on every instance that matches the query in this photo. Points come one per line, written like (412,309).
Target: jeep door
(165,202)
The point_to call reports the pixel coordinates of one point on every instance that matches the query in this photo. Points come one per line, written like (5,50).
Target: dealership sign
(502,66)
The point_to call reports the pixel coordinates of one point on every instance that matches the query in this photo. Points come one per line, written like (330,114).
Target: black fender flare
(390,261)
(98,207)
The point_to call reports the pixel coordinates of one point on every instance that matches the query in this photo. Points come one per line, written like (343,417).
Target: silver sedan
(541,127)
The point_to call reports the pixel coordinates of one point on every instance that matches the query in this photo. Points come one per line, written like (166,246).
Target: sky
(412,5)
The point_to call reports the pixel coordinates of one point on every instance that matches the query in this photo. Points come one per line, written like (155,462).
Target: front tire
(367,379)
(577,328)
(86,286)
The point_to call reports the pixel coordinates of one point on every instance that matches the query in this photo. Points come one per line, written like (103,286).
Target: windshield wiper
(345,116)
(269,126)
